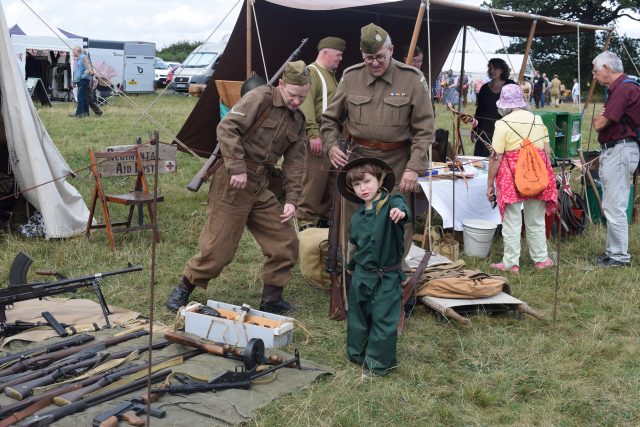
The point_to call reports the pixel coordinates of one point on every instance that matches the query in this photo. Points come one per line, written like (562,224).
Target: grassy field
(498,371)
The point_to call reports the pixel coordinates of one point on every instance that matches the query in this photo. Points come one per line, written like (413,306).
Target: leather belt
(380,271)
(257,168)
(378,145)
(612,144)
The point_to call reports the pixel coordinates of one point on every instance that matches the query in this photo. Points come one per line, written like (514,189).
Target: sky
(167,21)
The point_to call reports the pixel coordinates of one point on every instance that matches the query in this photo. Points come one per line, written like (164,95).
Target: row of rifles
(79,373)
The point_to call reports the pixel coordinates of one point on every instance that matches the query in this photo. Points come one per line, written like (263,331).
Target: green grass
(498,371)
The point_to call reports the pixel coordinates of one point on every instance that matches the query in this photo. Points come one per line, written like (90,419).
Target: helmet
(251,83)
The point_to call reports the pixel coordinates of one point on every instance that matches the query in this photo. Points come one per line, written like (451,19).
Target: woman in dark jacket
(486,110)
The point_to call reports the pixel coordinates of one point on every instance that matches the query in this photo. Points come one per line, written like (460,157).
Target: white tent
(35,161)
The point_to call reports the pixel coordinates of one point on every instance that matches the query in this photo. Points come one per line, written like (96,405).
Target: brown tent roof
(282,28)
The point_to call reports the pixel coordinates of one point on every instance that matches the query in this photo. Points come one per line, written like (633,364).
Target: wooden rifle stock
(218,350)
(204,172)
(409,289)
(337,309)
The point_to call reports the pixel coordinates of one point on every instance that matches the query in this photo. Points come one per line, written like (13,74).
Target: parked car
(161,69)
(199,65)
(171,74)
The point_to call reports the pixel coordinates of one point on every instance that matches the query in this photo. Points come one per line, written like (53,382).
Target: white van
(199,65)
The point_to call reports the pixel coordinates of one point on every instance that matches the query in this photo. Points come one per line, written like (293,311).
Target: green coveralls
(374,295)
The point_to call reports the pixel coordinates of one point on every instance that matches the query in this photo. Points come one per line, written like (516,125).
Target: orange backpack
(531,176)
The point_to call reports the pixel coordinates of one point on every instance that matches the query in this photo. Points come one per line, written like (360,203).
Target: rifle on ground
(207,169)
(24,291)
(25,389)
(227,380)
(17,411)
(71,342)
(54,415)
(39,362)
(410,290)
(336,302)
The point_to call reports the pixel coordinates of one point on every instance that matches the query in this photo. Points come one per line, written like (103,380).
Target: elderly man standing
(264,126)
(618,127)
(319,183)
(385,106)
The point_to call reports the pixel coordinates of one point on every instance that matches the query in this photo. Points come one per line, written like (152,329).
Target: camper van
(199,65)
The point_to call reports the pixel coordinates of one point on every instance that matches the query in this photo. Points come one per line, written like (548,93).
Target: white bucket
(478,235)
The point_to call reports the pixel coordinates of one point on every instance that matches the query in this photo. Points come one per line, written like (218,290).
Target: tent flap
(37,165)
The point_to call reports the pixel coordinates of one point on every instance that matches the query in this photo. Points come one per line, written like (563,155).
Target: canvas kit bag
(314,247)
(453,281)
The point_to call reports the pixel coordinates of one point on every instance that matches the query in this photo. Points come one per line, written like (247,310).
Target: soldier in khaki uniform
(264,126)
(319,183)
(555,91)
(386,107)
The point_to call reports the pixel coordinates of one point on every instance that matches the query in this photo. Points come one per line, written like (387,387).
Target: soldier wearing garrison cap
(385,106)
(264,127)
(319,183)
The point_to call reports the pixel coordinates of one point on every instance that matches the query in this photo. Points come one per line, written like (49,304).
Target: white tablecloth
(470,197)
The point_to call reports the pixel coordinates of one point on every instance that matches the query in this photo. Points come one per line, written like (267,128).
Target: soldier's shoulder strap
(405,67)
(265,113)
(353,68)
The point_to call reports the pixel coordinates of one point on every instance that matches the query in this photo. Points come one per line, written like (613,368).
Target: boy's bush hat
(388,179)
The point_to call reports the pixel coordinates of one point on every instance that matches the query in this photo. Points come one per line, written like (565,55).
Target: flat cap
(333,43)
(372,38)
(296,73)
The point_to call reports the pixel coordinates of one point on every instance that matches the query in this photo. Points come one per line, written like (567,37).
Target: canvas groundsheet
(228,407)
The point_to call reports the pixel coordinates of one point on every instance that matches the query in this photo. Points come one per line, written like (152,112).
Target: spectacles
(380,58)
(595,71)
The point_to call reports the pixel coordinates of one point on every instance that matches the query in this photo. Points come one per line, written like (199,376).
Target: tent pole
(527,50)
(594,80)
(416,32)
(461,78)
(249,38)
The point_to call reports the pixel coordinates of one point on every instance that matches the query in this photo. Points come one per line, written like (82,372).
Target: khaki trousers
(229,210)
(318,186)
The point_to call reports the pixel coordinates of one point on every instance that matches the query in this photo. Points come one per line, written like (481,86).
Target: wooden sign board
(125,165)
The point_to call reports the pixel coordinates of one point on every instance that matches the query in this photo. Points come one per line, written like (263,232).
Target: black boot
(180,295)
(272,301)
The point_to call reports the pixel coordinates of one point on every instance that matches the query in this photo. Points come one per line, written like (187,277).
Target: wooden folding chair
(126,163)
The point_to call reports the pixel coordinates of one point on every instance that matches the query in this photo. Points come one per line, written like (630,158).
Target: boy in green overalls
(375,263)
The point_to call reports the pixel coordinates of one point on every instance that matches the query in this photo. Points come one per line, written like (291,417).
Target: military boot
(272,301)
(180,295)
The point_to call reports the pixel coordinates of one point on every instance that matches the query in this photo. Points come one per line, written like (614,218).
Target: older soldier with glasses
(618,127)
(385,106)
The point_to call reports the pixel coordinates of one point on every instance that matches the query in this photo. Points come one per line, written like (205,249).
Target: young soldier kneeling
(375,263)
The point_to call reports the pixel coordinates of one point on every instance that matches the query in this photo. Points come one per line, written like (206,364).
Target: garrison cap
(296,73)
(372,38)
(333,43)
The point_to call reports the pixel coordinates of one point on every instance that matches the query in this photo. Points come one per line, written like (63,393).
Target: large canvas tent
(284,23)
(28,151)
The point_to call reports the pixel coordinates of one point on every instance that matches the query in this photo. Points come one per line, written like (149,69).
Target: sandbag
(314,244)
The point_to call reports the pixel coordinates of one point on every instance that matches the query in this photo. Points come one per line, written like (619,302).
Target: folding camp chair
(119,163)
(104,91)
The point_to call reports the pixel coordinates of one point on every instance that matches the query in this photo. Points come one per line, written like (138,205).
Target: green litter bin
(596,214)
(569,125)
(549,120)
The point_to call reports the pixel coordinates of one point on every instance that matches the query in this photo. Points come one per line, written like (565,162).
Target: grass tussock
(499,371)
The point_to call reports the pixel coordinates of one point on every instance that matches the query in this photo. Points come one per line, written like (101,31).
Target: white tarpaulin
(34,158)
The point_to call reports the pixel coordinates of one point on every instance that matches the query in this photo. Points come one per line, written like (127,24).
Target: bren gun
(19,290)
